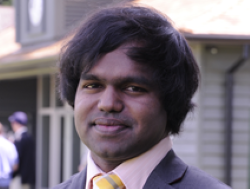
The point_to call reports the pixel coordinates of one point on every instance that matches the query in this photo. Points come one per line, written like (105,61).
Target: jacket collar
(170,170)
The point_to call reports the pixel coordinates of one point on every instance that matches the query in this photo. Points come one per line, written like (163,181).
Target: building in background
(216,136)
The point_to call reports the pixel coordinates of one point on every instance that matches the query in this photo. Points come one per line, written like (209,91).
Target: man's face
(118,114)
(14,126)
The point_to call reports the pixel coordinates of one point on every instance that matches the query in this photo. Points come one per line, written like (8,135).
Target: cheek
(81,124)
(82,104)
(150,115)
(81,110)
(154,121)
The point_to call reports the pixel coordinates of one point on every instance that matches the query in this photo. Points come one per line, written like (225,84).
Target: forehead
(119,63)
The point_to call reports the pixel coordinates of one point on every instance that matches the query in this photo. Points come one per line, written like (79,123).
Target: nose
(110,101)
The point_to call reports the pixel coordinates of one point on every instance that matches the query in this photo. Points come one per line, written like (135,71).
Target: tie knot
(108,181)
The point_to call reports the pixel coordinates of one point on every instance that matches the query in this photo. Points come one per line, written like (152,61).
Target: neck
(21,128)
(105,165)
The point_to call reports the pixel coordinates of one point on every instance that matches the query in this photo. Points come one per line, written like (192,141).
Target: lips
(109,126)
(108,122)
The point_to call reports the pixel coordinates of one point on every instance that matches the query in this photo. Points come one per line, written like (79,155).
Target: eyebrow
(120,80)
(86,76)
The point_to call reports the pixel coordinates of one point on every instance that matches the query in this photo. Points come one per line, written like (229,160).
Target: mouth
(109,125)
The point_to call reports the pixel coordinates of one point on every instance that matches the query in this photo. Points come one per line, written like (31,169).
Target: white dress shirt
(8,158)
(133,172)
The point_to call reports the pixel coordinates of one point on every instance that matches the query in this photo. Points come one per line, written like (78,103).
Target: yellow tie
(108,181)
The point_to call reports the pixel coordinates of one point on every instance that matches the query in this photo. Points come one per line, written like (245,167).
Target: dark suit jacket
(170,173)
(26,152)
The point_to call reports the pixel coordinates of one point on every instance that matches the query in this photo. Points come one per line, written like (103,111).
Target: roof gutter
(26,68)
(229,112)
(217,37)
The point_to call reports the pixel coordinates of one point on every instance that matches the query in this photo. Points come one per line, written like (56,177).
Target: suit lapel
(170,170)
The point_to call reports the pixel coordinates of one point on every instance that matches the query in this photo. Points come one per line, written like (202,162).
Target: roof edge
(24,63)
(217,37)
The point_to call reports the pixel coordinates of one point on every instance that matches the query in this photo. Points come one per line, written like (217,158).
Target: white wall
(202,142)
(187,143)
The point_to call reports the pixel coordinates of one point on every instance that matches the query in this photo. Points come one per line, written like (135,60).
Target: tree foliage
(5,2)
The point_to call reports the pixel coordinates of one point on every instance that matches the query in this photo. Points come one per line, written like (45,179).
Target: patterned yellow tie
(108,181)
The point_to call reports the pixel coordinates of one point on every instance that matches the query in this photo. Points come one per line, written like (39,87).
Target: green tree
(5,2)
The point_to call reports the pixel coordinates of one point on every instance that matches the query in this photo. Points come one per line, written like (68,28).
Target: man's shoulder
(196,178)
(26,135)
(67,184)
(6,144)
(26,139)
(174,172)
(64,185)
(77,181)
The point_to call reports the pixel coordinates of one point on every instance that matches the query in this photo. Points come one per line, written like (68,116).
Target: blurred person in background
(25,145)
(8,160)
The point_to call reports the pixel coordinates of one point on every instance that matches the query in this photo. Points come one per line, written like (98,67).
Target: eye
(92,86)
(135,89)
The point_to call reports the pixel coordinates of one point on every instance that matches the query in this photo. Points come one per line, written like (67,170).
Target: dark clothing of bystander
(26,150)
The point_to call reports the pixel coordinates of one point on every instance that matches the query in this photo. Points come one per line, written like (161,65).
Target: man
(130,77)
(8,160)
(26,150)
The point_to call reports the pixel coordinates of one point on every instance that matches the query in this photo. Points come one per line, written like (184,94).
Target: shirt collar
(19,132)
(135,166)
(92,170)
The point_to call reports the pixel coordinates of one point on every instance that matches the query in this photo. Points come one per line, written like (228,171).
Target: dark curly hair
(161,47)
